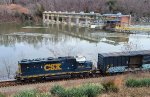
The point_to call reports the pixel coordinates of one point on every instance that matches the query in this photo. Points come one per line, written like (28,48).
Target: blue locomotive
(50,67)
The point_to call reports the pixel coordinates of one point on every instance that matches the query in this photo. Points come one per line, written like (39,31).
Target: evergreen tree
(111,5)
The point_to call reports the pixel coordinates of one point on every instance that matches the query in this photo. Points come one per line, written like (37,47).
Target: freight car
(108,63)
(41,69)
(119,62)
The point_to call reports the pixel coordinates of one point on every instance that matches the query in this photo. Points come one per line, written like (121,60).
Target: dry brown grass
(9,12)
(42,89)
(14,8)
(119,81)
(18,8)
(131,92)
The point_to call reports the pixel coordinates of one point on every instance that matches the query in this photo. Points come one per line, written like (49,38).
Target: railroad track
(15,83)
(7,83)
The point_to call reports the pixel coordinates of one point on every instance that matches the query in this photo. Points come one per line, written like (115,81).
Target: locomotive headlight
(19,70)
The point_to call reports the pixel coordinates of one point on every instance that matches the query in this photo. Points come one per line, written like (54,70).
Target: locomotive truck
(108,63)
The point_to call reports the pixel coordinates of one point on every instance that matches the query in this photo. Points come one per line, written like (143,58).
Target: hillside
(34,8)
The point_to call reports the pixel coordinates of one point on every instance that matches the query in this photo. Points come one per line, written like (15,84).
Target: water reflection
(55,35)
(17,43)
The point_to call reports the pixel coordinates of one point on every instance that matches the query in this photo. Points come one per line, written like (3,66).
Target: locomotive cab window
(88,66)
(80,65)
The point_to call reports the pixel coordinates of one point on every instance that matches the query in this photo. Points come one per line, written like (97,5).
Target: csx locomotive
(108,63)
(38,69)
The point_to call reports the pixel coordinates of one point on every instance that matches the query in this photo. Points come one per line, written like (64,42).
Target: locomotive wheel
(87,75)
(81,75)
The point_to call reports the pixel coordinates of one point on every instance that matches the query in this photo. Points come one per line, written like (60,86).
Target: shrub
(27,93)
(43,95)
(110,87)
(132,83)
(87,90)
(138,83)
(74,92)
(57,90)
(145,82)
(1,95)
(92,90)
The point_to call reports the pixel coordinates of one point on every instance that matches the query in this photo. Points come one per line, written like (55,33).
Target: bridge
(71,18)
(86,19)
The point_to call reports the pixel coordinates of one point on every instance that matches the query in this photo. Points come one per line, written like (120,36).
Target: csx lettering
(48,67)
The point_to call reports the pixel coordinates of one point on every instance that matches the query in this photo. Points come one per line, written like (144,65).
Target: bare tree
(66,50)
(137,8)
(7,67)
(131,47)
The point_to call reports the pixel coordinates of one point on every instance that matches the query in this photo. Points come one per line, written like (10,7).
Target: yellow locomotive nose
(19,69)
(18,72)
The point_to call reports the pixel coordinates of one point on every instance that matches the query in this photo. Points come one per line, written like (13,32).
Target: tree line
(137,8)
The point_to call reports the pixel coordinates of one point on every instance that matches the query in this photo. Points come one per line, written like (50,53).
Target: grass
(27,93)
(43,95)
(86,90)
(74,92)
(92,90)
(57,90)
(31,93)
(1,95)
(138,82)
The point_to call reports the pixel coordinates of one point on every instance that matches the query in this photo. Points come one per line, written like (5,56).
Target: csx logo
(48,67)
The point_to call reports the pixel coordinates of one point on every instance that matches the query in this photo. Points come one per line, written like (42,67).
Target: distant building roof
(116,15)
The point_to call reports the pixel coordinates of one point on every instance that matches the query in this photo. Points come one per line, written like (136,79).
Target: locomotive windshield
(80,59)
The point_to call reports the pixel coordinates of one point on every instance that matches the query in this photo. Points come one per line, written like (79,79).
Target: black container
(130,59)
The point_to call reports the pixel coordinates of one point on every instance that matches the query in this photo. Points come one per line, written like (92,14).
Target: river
(18,43)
